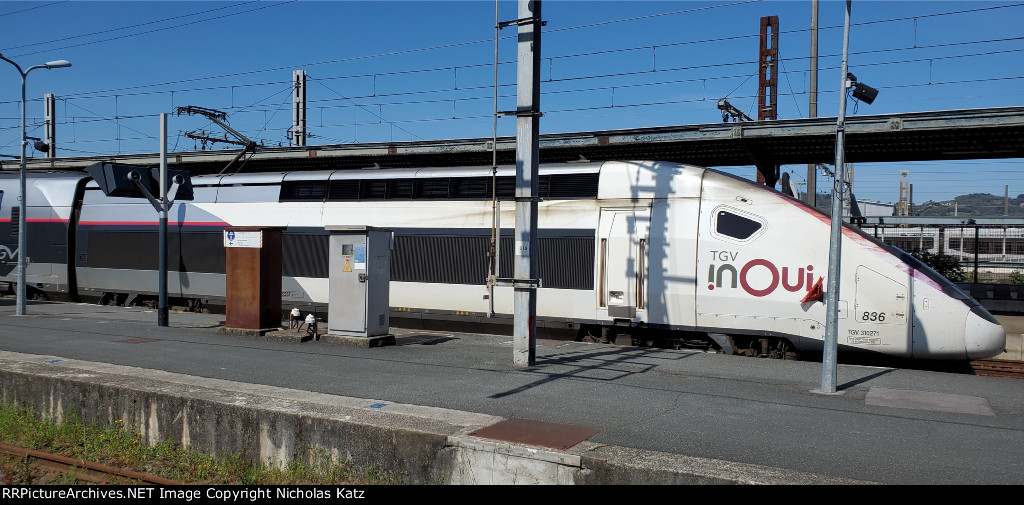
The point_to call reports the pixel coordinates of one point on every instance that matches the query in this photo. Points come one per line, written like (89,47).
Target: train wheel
(112,299)
(588,334)
(784,350)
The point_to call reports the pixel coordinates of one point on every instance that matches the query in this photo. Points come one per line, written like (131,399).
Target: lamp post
(866,94)
(22,229)
(831,343)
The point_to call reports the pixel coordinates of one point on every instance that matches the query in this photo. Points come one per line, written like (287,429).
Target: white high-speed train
(658,251)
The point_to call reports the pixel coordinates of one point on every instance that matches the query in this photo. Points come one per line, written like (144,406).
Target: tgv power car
(660,251)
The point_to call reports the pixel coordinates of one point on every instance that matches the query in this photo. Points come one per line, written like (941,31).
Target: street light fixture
(22,210)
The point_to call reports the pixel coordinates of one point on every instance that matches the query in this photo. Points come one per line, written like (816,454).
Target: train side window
(729,223)
(303,191)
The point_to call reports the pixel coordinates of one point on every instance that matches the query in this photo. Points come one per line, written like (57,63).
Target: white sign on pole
(243,239)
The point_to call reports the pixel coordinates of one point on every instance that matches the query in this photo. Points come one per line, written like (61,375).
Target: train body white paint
(655,250)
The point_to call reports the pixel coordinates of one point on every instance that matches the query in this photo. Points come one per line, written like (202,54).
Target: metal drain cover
(526,431)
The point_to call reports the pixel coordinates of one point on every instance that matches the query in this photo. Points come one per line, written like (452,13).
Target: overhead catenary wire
(378,116)
(120,118)
(622,74)
(891,86)
(121,90)
(651,105)
(156,21)
(488,116)
(151,31)
(32,8)
(664,70)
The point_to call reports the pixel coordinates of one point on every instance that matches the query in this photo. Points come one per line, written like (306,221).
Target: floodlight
(864,93)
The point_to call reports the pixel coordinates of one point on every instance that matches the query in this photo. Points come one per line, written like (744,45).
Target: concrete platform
(448,407)
(424,445)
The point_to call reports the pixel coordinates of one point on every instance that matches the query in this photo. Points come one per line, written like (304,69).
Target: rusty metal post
(768,79)
(812,168)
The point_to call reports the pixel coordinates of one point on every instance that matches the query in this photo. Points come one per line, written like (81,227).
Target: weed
(117,446)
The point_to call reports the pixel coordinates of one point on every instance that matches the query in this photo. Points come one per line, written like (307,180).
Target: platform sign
(233,238)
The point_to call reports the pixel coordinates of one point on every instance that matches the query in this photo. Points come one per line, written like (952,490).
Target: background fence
(965,253)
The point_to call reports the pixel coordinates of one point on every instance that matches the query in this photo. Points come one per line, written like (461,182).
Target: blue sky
(381,71)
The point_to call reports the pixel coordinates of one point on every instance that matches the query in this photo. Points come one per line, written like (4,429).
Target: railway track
(52,465)
(999,368)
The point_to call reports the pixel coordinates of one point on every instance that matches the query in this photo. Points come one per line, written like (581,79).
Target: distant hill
(974,204)
(970,205)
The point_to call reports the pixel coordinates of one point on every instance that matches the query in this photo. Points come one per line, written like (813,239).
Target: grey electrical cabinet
(360,276)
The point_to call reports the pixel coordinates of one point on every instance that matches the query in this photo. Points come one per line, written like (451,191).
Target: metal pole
(162,309)
(50,121)
(977,239)
(22,209)
(831,344)
(812,168)
(298,108)
(527,169)
(495,265)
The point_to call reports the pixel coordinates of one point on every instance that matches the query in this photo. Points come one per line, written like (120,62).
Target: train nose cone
(985,337)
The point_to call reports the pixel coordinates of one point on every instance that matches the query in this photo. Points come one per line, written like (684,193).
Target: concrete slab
(374,341)
(248,332)
(927,400)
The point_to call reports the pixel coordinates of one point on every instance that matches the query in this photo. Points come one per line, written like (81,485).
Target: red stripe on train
(152,223)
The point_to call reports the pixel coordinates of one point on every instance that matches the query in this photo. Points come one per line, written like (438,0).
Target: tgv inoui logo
(6,253)
(758,270)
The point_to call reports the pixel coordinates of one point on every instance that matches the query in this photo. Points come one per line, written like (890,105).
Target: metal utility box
(253,277)
(360,278)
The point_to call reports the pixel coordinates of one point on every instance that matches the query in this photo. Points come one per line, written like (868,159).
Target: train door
(880,316)
(622,263)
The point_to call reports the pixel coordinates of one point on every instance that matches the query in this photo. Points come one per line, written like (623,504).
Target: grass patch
(117,446)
